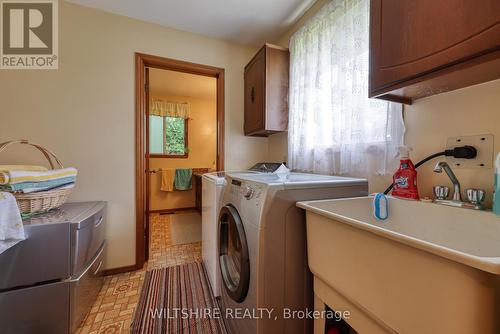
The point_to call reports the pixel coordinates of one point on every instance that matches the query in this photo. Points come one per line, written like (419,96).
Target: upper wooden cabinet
(266,92)
(425,47)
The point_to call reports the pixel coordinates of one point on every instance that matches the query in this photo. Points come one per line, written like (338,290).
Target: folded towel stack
(28,181)
(9,168)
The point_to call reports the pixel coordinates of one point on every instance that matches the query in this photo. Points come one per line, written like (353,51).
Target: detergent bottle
(405,178)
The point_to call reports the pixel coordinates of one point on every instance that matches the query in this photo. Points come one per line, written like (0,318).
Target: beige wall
(469,111)
(202,145)
(429,122)
(85,110)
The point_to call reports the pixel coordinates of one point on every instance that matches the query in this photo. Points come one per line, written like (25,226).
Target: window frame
(186,144)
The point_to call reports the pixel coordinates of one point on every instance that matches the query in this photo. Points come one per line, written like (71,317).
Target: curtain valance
(169,109)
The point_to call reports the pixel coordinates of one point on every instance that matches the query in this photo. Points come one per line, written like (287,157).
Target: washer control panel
(249,198)
(248,192)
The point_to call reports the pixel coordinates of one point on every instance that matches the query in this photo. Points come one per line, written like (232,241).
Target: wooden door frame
(143,61)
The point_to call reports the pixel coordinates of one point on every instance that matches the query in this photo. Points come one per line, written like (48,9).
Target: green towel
(183,179)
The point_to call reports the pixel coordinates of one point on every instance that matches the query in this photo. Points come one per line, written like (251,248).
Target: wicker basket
(32,203)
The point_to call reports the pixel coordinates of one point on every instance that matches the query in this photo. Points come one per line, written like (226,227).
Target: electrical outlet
(484,146)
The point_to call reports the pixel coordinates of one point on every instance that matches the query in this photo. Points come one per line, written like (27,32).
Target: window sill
(169,156)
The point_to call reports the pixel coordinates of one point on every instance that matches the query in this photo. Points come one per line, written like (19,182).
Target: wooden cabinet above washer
(266,92)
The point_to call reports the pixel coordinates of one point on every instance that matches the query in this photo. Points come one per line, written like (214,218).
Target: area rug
(185,228)
(177,300)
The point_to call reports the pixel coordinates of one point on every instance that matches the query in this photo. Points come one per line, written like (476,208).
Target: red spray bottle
(405,178)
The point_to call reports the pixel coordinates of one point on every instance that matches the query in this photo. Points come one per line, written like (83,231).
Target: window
(175,136)
(168,136)
(334,127)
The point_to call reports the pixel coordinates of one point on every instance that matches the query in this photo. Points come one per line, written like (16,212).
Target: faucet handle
(476,197)
(441,192)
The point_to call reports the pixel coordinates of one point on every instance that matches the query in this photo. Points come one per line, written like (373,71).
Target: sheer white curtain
(334,128)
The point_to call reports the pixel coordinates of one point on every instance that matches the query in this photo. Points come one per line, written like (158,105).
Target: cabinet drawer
(87,237)
(40,309)
(43,256)
(84,290)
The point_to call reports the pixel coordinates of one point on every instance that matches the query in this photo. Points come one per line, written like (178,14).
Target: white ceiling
(251,22)
(164,82)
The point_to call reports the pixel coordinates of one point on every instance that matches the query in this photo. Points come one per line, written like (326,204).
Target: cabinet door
(277,67)
(255,80)
(412,38)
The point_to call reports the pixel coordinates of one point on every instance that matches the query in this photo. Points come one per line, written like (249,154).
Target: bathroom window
(334,128)
(168,136)
(168,128)
(175,136)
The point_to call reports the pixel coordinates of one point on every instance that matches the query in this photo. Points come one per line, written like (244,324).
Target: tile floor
(113,310)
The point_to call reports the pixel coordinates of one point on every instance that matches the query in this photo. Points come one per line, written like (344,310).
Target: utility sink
(428,268)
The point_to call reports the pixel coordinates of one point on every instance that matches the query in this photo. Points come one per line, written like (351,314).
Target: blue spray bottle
(496,187)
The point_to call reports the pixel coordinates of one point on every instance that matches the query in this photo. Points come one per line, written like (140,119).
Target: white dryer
(212,188)
(262,248)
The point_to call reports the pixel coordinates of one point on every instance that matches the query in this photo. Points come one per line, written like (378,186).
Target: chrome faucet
(457,195)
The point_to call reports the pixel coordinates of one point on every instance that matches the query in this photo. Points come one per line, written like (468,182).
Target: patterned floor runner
(177,300)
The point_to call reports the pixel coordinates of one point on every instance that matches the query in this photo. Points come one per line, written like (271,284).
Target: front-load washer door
(234,262)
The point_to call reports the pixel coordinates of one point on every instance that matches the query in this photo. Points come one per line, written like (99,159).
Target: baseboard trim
(170,211)
(120,270)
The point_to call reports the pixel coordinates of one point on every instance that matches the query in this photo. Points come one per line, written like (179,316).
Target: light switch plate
(483,144)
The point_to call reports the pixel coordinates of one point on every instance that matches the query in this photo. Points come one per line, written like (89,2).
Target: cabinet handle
(98,268)
(99,222)
(252,95)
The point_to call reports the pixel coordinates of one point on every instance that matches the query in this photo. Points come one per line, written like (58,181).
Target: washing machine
(212,189)
(262,248)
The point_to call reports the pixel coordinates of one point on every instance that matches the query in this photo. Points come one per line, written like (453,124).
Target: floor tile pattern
(113,310)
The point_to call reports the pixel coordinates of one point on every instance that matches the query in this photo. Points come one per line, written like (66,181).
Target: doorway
(179,109)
